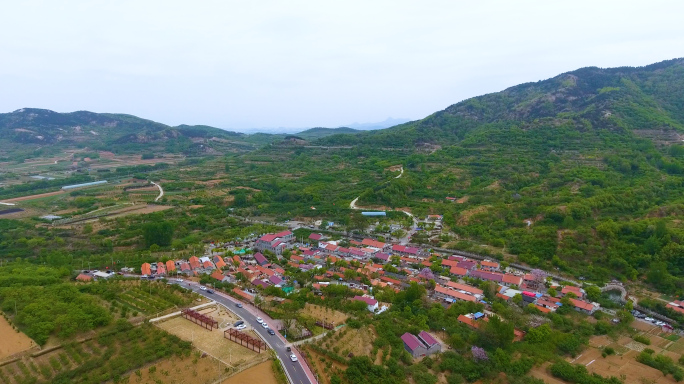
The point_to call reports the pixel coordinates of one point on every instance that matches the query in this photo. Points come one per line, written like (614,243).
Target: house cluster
(423,344)
(546,303)
(254,267)
(677,306)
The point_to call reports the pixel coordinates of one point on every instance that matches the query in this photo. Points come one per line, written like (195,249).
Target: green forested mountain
(316,133)
(26,130)
(583,172)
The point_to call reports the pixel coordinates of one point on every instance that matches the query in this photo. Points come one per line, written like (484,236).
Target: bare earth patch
(12,341)
(262,374)
(325,314)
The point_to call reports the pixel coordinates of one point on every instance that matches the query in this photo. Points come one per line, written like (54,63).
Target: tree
(158,233)
(593,292)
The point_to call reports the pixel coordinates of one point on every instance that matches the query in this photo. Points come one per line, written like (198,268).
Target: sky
(270,65)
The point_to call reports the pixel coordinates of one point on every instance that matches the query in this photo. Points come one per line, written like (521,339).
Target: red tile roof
(145,269)
(455,294)
(373,243)
(489,264)
(315,236)
(458,271)
(411,341)
(170,266)
(243,294)
(427,338)
(217,275)
(512,279)
(582,304)
(194,262)
(83,277)
(465,287)
(367,300)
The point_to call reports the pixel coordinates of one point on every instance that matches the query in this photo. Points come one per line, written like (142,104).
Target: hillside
(28,129)
(583,172)
(316,133)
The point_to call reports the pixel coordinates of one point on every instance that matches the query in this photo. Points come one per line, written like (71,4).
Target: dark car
(239,322)
(289,349)
(271,332)
(210,291)
(238,305)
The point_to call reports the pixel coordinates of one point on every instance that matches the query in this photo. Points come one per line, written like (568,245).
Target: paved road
(298,372)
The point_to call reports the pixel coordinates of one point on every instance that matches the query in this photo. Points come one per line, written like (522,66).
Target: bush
(642,339)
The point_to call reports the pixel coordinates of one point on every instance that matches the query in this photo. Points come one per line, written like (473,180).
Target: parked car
(241,327)
(210,291)
(293,358)
(202,287)
(239,322)
(271,332)
(259,320)
(179,280)
(264,325)
(289,349)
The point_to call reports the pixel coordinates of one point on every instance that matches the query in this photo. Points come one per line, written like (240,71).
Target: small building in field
(422,345)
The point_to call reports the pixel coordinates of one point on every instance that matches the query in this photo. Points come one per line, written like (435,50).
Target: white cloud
(237,64)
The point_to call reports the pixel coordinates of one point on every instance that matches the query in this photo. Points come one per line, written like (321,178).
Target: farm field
(142,297)
(324,314)
(12,341)
(345,343)
(262,374)
(623,364)
(108,355)
(193,369)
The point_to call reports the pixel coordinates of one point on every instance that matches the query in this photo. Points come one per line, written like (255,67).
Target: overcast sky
(255,64)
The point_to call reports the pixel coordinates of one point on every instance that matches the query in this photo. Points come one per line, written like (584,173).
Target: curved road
(161,191)
(298,372)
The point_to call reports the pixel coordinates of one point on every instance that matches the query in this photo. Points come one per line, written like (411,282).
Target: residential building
(577,291)
(260,259)
(370,302)
(583,306)
(489,266)
(510,280)
(433,346)
(450,295)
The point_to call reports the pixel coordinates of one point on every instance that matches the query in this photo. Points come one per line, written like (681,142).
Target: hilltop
(29,129)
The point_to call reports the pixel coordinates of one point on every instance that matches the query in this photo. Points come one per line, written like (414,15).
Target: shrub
(642,339)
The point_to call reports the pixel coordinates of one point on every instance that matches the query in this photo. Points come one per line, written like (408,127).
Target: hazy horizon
(298,65)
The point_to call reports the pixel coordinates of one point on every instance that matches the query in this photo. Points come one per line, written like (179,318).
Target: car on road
(289,349)
(293,358)
(202,287)
(264,325)
(179,280)
(210,291)
(271,332)
(648,319)
(259,320)
(238,305)
(241,327)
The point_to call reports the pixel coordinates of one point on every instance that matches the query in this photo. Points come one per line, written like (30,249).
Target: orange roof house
(458,271)
(146,269)
(465,287)
(217,275)
(170,266)
(218,261)
(194,262)
(575,290)
(84,277)
(373,243)
(456,295)
(243,294)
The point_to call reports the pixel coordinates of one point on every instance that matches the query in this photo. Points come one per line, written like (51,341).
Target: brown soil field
(540,373)
(12,341)
(642,326)
(618,365)
(212,342)
(262,374)
(325,314)
(31,197)
(175,370)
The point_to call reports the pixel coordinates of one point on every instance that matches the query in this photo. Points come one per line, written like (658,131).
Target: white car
(203,288)
(179,280)
(649,319)
(259,320)
(264,325)
(660,323)
(241,327)
(293,357)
